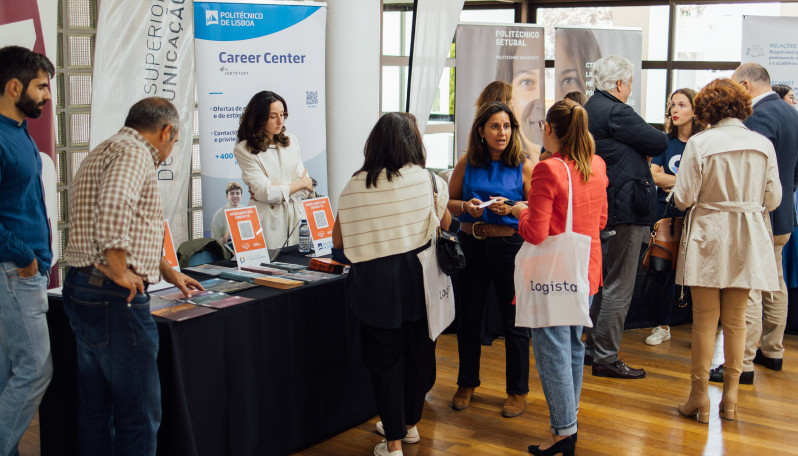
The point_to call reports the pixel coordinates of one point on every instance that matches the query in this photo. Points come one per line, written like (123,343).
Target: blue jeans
(559,356)
(119,393)
(25,363)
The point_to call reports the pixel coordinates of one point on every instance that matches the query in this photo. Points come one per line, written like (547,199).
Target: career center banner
(246,47)
(510,53)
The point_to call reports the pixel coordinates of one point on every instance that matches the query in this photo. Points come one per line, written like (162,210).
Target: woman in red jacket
(559,351)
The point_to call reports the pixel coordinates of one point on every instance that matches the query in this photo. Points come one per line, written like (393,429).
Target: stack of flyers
(290,267)
(310,276)
(225,285)
(208,269)
(264,270)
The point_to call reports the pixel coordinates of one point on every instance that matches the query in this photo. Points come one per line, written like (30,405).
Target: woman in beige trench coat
(729,181)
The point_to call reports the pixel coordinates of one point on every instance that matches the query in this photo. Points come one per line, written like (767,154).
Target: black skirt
(387,291)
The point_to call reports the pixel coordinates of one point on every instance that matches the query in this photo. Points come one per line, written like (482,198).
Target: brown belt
(482,230)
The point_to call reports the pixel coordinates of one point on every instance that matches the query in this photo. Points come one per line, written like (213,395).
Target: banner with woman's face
(510,53)
(576,49)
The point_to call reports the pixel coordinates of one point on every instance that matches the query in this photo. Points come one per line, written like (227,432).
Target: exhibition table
(265,377)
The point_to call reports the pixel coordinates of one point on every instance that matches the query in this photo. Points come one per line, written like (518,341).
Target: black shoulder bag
(450,254)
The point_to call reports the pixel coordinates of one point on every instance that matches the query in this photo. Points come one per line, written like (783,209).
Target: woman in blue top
(680,124)
(493,168)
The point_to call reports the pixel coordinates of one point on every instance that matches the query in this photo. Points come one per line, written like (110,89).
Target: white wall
(353,86)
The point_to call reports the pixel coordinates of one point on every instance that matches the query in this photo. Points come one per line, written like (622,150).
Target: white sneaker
(382,450)
(411,437)
(659,335)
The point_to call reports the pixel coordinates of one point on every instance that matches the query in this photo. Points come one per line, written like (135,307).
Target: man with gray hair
(115,251)
(766,313)
(624,140)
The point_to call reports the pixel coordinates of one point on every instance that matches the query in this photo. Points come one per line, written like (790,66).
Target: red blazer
(548,206)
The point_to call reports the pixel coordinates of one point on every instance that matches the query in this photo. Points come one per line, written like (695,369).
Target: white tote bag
(551,279)
(438,292)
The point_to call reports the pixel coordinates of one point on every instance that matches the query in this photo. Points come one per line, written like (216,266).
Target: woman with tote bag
(385,219)
(558,269)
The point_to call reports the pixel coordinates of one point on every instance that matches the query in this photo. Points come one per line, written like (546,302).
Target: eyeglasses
(541,124)
(274,116)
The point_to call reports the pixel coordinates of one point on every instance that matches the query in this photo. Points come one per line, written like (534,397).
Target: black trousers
(401,362)
(490,260)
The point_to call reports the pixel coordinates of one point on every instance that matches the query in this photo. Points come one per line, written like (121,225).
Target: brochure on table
(170,255)
(320,220)
(247,236)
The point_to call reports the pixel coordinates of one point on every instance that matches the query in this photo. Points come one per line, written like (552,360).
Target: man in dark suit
(766,314)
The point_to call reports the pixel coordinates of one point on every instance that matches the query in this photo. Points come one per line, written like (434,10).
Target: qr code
(246,231)
(321,219)
(312,97)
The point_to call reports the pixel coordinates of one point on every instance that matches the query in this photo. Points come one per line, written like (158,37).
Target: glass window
(394,89)
(501,16)
(652,19)
(699,29)
(697,79)
(196,225)
(396,30)
(440,148)
(654,98)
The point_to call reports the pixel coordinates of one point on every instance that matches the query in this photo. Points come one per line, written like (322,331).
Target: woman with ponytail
(559,351)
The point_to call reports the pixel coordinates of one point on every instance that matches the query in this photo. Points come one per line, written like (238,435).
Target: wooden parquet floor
(616,417)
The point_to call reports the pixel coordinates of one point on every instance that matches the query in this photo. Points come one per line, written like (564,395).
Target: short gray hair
(152,114)
(610,69)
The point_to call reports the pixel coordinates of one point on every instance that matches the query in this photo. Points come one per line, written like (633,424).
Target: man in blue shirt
(25,253)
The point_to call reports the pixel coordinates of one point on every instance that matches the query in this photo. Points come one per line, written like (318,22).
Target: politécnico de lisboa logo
(211,17)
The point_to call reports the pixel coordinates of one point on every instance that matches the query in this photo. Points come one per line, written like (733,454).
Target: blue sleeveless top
(497,179)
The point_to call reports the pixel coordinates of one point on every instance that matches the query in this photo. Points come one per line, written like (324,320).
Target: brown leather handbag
(663,247)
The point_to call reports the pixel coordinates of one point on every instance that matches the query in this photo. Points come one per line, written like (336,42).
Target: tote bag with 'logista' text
(551,279)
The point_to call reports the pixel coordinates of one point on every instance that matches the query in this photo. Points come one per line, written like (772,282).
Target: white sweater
(393,217)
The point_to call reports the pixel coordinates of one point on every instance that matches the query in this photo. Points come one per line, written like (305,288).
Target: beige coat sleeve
(773,186)
(688,179)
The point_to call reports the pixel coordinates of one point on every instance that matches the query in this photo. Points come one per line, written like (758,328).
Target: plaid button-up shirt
(115,204)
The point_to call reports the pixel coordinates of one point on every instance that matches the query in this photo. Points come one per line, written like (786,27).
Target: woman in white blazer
(272,168)
(729,180)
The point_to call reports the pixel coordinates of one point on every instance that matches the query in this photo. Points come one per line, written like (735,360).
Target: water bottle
(304,237)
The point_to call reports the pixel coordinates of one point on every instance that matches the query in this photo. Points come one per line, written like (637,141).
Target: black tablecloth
(265,377)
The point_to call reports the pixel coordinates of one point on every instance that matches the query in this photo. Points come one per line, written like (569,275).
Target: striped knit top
(393,217)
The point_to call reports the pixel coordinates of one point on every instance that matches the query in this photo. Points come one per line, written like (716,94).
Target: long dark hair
(393,143)
(253,122)
(568,120)
(672,131)
(477,152)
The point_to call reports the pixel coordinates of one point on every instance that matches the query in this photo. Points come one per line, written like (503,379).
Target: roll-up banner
(245,47)
(145,49)
(576,49)
(772,43)
(491,52)
(33,25)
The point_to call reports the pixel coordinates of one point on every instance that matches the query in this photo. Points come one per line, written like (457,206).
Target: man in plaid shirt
(115,251)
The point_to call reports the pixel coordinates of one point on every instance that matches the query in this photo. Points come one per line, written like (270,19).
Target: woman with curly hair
(729,181)
(272,168)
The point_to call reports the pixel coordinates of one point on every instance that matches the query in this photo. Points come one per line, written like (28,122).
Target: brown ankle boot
(728,403)
(462,398)
(514,405)
(698,403)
